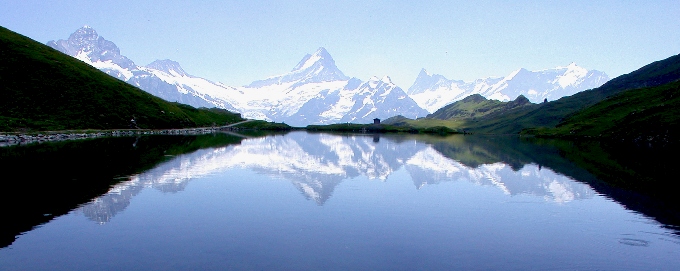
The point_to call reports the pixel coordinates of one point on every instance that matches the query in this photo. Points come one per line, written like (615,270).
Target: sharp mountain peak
(320,56)
(168,66)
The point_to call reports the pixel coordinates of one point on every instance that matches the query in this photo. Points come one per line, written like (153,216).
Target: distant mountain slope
(475,106)
(45,89)
(641,115)
(433,91)
(550,114)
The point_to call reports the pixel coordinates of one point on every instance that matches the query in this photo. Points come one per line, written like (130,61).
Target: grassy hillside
(43,89)
(552,113)
(476,106)
(642,115)
(465,113)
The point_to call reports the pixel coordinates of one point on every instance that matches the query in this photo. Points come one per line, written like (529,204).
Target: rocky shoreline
(22,139)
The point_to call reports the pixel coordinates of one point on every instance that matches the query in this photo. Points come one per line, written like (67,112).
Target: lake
(314,201)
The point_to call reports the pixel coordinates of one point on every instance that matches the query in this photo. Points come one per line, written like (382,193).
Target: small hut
(376,121)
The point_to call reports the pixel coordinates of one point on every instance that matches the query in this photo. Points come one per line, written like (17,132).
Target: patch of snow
(313,59)
(571,76)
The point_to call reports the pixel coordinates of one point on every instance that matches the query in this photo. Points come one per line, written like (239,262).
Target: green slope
(476,106)
(642,115)
(551,113)
(473,111)
(43,89)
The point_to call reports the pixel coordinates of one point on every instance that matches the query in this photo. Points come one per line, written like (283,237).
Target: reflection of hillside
(474,151)
(635,176)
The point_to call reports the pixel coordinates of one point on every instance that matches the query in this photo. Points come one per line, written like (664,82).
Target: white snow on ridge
(105,65)
(259,103)
(512,75)
(313,59)
(438,98)
(298,96)
(550,84)
(572,76)
(342,107)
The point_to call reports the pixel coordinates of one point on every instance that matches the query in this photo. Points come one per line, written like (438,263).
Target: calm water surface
(338,202)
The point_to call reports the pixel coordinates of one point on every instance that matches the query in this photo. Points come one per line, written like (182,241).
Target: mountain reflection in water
(56,177)
(317,163)
(98,178)
(379,202)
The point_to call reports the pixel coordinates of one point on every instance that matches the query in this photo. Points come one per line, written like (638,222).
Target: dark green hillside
(397,120)
(264,125)
(550,114)
(641,115)
(43,89)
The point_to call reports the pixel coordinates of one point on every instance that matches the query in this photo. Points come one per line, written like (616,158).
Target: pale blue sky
(236,42)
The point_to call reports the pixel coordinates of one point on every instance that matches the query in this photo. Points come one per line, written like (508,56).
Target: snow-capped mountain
(433,91)
(315,91)
(85,44)
(163,78)
(357,102)
(315,68)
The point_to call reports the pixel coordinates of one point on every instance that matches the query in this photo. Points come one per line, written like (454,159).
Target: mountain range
(316,91)
(434,91)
